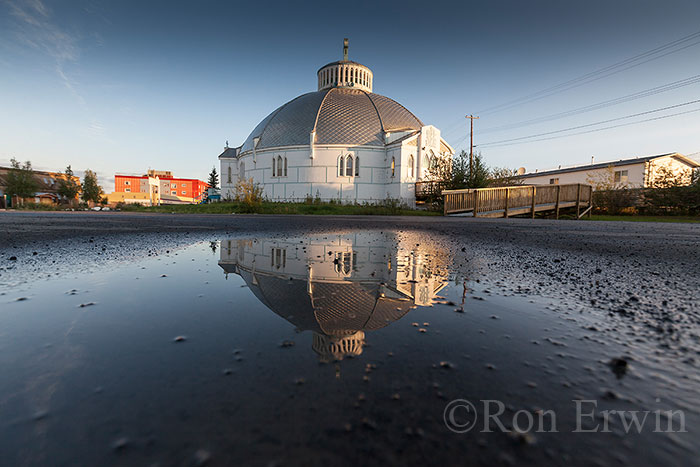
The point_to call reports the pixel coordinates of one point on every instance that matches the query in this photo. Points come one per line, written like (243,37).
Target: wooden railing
(518,200)
(429,190)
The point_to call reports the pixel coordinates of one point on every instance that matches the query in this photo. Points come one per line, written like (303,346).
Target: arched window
(279,166)
(229,174)
(348,165)
(285,166)
(432,161)
(274,166)
(410,166)
(241,171)
(341,166)
(357,166)
(393,167)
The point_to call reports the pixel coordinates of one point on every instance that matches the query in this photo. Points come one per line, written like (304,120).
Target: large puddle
(345,348)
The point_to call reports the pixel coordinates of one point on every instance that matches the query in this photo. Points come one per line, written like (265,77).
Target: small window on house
(357,166)
(183,185)
(341,166)
(127,183)
(173,192)
(554,181)
(241,171)
(229,174)
(621,176)
(393,167)
(285,166)
(348,166)
(128,190)
(279,166)
(274,166)
(410,166)
(184,192)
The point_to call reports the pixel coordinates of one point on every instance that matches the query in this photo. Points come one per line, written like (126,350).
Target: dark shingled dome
(339,115)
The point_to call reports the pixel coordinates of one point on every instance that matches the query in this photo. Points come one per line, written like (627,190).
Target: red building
(169,186)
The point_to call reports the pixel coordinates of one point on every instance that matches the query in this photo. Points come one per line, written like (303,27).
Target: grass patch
(266,207)
(686,219)
(40,207)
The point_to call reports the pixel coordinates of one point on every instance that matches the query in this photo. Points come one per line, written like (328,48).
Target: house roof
(618,163)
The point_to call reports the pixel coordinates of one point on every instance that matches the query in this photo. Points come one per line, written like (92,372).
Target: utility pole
(471,143)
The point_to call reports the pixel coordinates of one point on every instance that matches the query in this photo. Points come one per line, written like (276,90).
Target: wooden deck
(519,200)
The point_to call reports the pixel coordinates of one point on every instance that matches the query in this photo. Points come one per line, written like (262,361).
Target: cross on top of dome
(345,74)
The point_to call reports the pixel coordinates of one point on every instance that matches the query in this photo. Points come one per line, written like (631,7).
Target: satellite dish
(521,171)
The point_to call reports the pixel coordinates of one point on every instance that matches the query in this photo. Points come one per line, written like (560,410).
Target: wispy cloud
(96,128)
(37,30)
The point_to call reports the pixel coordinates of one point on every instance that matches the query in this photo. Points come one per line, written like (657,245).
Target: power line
(599,129)
(601,73)
(591,124)
(620,100)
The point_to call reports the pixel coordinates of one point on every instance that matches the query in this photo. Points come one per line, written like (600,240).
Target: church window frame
(349,166)
(229,174)
(241,171)
(410,166)
(393,166)
(341,165)
(357,166)
(285,166)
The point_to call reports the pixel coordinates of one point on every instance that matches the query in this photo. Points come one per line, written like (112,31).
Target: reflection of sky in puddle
(395,336)
(338,286)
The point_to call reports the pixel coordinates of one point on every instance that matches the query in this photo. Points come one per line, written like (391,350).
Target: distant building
(47,187)
(638,172)
(157,187)
(341,142)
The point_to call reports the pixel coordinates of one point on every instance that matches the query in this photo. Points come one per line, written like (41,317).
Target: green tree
(20,180)
(92,191)
(672,192)
(695,178)
(68,188)
(213,178)
(459,173)
(503,176)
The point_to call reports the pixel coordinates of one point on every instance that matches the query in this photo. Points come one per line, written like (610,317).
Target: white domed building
(341,142)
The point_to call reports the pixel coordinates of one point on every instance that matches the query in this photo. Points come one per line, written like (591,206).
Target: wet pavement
(255,340)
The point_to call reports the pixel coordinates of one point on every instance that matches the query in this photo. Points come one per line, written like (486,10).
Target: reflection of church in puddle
(340,285)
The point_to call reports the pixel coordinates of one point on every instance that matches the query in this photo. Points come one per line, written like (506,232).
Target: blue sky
(126,86)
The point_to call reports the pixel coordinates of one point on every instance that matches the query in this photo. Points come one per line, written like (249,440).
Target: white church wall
(318,177)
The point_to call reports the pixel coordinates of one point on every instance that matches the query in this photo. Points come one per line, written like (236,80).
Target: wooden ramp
(519,200)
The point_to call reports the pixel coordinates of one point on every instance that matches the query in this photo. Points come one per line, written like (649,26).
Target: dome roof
(338,115)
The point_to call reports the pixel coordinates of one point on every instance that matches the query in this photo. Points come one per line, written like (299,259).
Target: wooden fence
(519,200)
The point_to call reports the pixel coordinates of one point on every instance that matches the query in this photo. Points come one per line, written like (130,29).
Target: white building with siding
(341,142)
(638,172)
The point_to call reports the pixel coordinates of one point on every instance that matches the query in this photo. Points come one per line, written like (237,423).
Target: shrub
(614,201)
(250,195)
(681,200)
